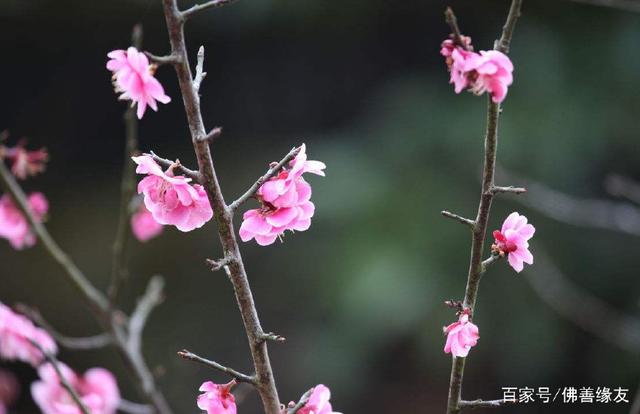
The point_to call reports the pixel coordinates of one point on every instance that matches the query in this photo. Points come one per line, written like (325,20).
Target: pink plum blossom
(513,240)
(16,334)
(9,390)
(14,226)
(172,199)
(488,71)
(461,336)
(133,78)
(285,202)
(97,389)
(318,402)
(217,398)
(25,163)
(143,225)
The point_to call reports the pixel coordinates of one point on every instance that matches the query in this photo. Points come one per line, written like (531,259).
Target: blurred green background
(359,295)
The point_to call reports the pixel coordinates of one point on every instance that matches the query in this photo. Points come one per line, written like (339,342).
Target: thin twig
(152,297)
(511,189)
(63,380)
(119,271)
(130,407)
(483,404)
(265,383)
(452,21)
(204,6)
(458,218)
(488,262)
(270,173)
(484,207)
(163,60)
(180,169)
(77,343)
(249,379)
(200,73)
(301,402)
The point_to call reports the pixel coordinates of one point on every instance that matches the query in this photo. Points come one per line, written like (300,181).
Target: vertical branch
(119,270)
(223,215)
(482,218)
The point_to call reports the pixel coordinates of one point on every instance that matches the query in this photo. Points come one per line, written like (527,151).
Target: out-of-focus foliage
(359,296)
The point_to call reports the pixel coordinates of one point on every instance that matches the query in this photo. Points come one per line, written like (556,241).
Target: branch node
(215,265)
(270,336)
(212,135)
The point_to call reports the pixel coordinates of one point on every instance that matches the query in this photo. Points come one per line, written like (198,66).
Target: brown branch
(249,379)
(488,262)
(484,207)
(64,381)
(96,300)
(484,404)
(163,60)
(77,343)
(270,173)
(460,219)
(301,403)
(204,6)
(265,383)
(452,21)
(119,271)
(180,169)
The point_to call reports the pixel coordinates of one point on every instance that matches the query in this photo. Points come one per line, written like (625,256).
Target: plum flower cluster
(16,334)
(97,389)
(461,336)
(487,71)
(133,79)
(285,202)
(172,199)
(513,240)
(217,398)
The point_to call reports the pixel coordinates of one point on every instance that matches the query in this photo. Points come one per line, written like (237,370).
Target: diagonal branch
(484,403)
(152,297)
(270,173)
(458,218)
(249,379)
(165,163)
(204,6)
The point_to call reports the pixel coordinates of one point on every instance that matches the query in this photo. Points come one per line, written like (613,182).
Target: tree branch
(452,21)
(152,297)
(301,403)
(461,219)
(483,404)
(163,60)
(270,173)
(119,271)
(484,207)
(249,379)
(181,169)
(265,383)
(65,383)
(134,408)
(200,73)
(204,6)
(511,189)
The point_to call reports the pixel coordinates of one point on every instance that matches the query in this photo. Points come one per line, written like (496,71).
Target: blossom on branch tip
(133,79)
(513,240)
(143,225)
(217,398)
(97,389)
(16,334)
(487,71)
(24,163)
(461,336)
(14,225)
(172,199)
(285,202)
(318,402)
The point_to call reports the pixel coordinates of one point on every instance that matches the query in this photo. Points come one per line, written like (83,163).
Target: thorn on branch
(216,265)
(468,222)
(164,60)
(240,377)
(211,136)
(205,6)
(270,336)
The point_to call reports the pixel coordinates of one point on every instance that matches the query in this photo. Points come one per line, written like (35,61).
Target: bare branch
(181,169)
(63,380)
(488,262)
(452,21)
(511,189)
(293,409)
(200,73)
(152,297)
(249,379)
(134,408)
(270,336)
(216,265)
(163,60)
(212,135)
(80,343)
(204,6)
(270,173)
(484,404)
(458,218)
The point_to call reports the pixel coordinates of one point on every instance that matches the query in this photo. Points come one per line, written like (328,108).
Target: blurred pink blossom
(172,199)
(285,200)
(25,163)
(133,78)
(318,402)
(16,334)
(143,225)
(14,226)
(217,398)
(513,240)
(97,389)
(9,390)
(461,336)
(488,71)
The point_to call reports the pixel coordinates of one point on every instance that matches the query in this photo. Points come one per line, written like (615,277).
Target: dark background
(359,295)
